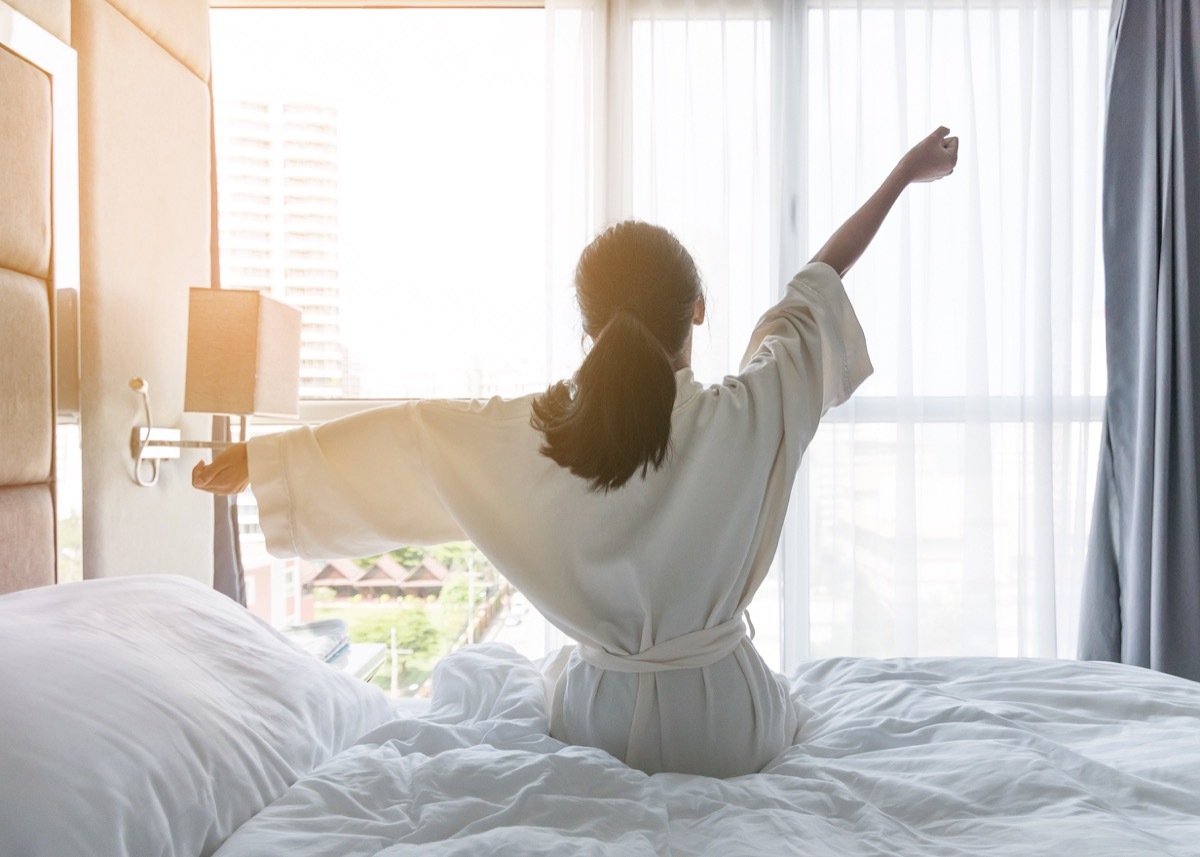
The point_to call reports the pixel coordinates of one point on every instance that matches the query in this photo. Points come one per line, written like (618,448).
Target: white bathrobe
(651,579)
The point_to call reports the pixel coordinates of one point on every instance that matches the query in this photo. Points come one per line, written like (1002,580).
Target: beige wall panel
(26,537)
(144,239)
(180,26)
(52,15)
(24,167)
(26,406)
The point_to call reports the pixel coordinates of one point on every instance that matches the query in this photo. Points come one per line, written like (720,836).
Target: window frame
(794,552)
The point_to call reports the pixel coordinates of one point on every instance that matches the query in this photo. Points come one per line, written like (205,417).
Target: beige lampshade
(243,354)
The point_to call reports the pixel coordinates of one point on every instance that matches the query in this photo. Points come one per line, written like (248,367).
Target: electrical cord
(140,385)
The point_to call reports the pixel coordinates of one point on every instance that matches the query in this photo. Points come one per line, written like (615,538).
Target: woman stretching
(637,509)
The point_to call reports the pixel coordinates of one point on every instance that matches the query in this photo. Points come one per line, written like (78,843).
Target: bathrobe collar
(686,387)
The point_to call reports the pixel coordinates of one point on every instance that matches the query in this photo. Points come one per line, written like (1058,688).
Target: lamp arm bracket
(150,444)
(159,443)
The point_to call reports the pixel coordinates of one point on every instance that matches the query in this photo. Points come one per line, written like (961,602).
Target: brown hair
(637,288)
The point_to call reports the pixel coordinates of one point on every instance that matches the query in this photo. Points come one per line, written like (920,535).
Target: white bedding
(967,756)
(151,716)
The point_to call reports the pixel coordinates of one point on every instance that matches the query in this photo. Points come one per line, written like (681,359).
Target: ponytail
(638,289)
(619,418)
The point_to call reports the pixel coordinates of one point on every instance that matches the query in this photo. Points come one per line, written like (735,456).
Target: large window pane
(383,170)
(949,501)
(958,282)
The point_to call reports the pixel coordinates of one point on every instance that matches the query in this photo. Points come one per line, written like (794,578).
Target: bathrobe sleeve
(356,486)
(427,472)
(808,349)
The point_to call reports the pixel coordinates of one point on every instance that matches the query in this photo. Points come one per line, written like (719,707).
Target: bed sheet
(965,756)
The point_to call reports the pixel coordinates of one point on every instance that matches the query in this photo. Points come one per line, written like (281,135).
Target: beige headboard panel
(27,280)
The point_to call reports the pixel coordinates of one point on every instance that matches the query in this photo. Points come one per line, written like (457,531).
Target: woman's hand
(931,159)
(229,472)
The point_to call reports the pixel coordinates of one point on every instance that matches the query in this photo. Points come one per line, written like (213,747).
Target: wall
(52,15)
(28,239)
(144,239)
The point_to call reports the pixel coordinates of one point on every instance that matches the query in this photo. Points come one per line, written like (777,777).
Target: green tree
(417,632)
(453,555)
(455,592)
(414,629)
(409,557)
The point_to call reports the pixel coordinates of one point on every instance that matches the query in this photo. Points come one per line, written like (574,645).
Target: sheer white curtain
(667,112)
(949,502)
(944,510)
(664,111)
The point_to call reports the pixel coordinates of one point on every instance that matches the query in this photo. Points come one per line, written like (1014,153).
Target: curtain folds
(945,509)
(682,113)
(1142,596)
(950,498)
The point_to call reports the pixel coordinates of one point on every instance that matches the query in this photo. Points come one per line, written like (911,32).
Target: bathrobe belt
(694,649)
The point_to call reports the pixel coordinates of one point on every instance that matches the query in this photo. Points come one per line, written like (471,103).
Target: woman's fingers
(950,144)
(227,474)
(932,158)
(207,478)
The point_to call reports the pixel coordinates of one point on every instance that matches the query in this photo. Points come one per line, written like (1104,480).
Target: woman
(637,509)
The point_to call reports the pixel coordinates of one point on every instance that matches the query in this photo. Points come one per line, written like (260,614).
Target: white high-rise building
(277,181)
(277,201)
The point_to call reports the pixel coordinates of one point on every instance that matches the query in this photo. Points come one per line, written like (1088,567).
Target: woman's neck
(684,360)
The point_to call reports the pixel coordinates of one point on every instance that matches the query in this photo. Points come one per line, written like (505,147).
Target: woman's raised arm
(931,159)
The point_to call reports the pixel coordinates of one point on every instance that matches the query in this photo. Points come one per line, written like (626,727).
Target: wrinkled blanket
(960,756)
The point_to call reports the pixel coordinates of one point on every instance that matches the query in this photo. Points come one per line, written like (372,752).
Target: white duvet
(967,756)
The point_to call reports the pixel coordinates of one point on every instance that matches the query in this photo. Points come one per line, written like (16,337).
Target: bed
(151,715)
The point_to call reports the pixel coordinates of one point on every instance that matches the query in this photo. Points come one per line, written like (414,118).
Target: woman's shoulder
(497,408)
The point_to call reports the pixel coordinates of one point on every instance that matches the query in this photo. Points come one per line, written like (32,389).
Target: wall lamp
(243,359)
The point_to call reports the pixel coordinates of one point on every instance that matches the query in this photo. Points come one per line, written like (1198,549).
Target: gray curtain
(1141,602)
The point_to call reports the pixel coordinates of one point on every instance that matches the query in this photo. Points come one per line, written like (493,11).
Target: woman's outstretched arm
(931,159)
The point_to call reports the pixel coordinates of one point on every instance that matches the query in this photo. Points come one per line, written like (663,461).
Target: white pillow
(153,716)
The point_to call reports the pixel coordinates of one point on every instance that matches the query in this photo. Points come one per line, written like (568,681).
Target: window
(405,183)
(941,511)
(431,138)
(946,508)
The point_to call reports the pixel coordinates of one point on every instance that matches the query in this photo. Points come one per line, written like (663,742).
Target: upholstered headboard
(38,254)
